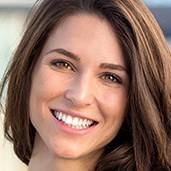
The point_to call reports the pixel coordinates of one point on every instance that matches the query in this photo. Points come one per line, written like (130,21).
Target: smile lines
(74,122)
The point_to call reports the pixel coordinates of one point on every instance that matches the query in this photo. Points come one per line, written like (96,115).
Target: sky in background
(158,3)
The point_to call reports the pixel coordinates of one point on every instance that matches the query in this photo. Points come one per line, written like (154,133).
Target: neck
(43,159)
(40,164)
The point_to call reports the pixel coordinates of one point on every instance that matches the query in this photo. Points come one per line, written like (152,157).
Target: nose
(81,92)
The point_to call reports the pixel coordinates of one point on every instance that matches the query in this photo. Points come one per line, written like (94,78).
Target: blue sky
(158,2)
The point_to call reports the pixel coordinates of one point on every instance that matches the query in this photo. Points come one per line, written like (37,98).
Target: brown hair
(144,141)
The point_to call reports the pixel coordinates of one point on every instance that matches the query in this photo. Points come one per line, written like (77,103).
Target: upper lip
(73,114)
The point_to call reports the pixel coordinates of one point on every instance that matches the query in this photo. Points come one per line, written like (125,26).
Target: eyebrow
(77,58)
(65,53)
(112,66)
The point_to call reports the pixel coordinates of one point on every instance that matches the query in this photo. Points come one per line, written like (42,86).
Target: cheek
(46,84)
(41,91)
(115,103)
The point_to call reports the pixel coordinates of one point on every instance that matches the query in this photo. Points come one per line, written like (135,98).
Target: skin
(91,83)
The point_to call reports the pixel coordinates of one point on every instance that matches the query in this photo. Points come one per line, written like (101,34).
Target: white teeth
(75,123)
(59,116)
(80,122)
(84,122)
(64,118)
(69,120)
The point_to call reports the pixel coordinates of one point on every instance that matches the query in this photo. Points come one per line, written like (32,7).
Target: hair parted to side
(144,141)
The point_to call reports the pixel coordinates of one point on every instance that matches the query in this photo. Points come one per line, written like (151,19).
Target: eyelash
(111,78)
(62,64)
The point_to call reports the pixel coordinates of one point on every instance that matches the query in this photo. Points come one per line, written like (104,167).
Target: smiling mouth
(73,122)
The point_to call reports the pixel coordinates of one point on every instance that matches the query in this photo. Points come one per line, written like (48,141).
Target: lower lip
(69,130)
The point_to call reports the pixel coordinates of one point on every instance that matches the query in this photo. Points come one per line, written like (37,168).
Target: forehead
(85,34)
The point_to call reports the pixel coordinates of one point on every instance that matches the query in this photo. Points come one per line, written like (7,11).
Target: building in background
(12,18)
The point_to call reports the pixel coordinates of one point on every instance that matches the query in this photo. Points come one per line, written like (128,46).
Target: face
(79,88)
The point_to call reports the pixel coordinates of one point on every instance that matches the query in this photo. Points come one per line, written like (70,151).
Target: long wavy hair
(144,140)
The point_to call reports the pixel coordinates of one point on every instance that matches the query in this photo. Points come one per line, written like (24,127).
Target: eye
(111,78)
(62,64)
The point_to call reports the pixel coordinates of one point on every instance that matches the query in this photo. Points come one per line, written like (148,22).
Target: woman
(89,89)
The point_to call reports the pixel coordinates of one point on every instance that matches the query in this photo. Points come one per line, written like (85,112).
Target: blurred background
(13,14)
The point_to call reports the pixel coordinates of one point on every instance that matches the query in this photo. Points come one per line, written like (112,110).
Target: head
(144,133)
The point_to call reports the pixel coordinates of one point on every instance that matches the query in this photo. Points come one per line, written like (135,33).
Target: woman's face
(79,89)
